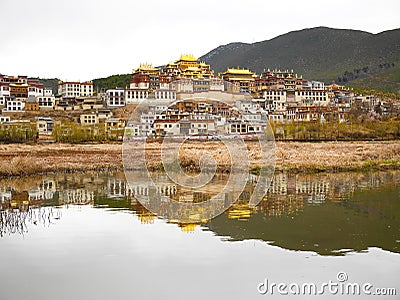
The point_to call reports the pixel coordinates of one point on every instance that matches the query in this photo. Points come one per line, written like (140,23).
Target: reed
(21,159)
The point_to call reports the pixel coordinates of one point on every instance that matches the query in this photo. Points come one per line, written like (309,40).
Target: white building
(143,85)
(47,92)
(75,89)
(368,100)
(158,108)
(276,99)
(148,118)
(138,129)
(317,85)
(35,90)
(165,95)
(183,86)
(317,97)
(216,84)
(4,89)
(277,116)
(247,104)
(134,96)
(244,127)
(199,127)
(86,89)
(45,125)
(2,100)
(313,85)
(46,101)
(252,116)
(115,98)
(15,104)
(166,127)
(4,119)
(89,119)
(103,114)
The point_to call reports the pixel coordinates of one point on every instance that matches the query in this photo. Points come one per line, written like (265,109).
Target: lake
(85,236)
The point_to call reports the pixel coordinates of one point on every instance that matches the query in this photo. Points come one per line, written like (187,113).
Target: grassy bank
(20,159)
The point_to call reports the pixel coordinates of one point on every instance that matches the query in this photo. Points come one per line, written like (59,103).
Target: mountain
(347,56)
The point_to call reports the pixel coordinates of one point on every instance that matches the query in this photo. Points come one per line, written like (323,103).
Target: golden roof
(238,71)
(146,67)
(188,57)
(16,84)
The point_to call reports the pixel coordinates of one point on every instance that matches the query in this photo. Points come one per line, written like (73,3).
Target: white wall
(135,96)
(15,105)
(115,98)
(46,102)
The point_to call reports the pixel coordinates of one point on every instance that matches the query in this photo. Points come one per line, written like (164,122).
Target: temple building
(145,77)
(243,78)
(279,80)
(19,90)
(187,66)
(149,78)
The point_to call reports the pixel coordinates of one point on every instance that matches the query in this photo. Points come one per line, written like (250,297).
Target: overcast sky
(86,39)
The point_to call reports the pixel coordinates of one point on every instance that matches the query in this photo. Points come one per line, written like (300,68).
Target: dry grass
(17,160)
(338,156)
(19,165)
(297,156)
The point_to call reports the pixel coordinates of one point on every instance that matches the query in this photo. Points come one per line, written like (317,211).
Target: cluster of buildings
(199,118)
(20,94)
(276,95)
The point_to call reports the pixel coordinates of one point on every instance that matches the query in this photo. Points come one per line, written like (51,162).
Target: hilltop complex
(170,92)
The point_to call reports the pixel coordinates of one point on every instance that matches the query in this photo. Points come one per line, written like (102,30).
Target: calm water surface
(84,236)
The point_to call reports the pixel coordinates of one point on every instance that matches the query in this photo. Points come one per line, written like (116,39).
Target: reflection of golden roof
(188,57)
(189,227)
(146,218)
(239,212)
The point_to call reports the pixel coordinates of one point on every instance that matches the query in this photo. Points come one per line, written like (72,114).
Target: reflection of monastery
(56,191)
(288,193)
(77,196)
(119,187)
(45,191)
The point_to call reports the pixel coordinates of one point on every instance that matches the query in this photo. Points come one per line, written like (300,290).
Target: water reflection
(325,213)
